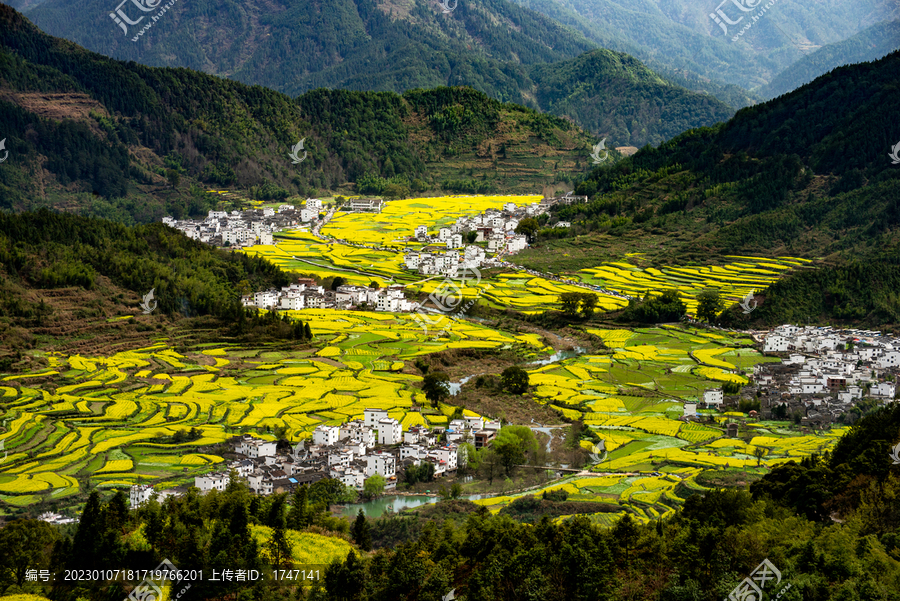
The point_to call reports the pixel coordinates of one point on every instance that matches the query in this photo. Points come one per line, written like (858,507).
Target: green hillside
(134,143)
(296,46)
(679,35)
(806,175)
(870,44)
(598,89)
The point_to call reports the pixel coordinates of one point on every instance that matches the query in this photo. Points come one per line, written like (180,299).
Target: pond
(378,507)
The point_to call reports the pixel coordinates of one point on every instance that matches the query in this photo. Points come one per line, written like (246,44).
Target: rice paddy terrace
(109,421)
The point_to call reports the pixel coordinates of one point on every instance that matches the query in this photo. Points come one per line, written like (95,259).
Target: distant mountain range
(679,36)
(495,47)
(868,45)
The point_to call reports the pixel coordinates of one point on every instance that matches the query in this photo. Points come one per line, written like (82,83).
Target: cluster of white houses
(245,228)
(351,453)
(824,372)
(305,293)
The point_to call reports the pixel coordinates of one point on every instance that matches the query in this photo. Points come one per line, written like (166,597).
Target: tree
(86,537)
(26,545)
(436,387)
(279,548)
(709,304)
(626,534)
(361,534)
(471,237)
(173,177)
(514,379)
(512,444)
(490,464)
(373,486)
(299,515)
(508,447)
(395,191)
(338,281)
(374,285)
(588,304)
(529,227)
(456,490)
(570,302)
(468,457)
(759,453)
(327,491)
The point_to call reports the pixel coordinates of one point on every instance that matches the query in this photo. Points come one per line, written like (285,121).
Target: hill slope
(871,44)
(297,45)
(294,46)
(131,142)
(613,94)
(679,34)
(807,174)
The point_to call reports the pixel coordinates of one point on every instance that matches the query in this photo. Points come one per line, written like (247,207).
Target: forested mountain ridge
(807,174)
(868,45)
(297,45)
(613,94)
(134,143)
(679,34)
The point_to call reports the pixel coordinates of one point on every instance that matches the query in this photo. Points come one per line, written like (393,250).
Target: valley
(582,300)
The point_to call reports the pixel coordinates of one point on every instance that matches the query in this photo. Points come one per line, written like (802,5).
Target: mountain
(681,36)
(134,143)
(613,94)
(494,46)
(297,45)
(871,44)
(807,174)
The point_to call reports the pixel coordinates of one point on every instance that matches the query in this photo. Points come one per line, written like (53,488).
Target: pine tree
(307,331)
(279,547)
(85,545)
(298,516)
(361,534)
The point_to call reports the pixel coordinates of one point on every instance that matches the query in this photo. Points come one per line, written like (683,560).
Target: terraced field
(300,251)
(733,280)
(399,218)
(633,399)
(108,421)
